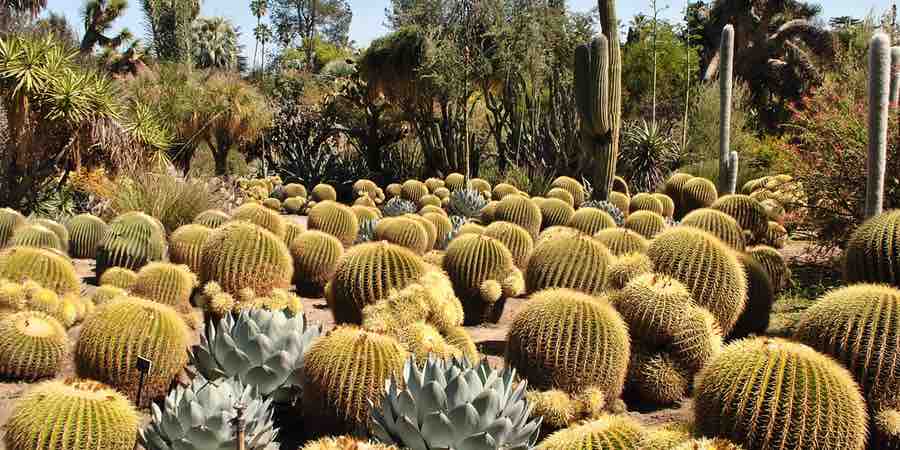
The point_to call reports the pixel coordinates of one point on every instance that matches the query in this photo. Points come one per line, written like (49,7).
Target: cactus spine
(879,85)
(727,158)
(598,90)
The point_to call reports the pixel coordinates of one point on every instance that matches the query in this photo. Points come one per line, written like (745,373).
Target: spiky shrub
(262,216)
(37,236)
(120,331)
(515,238)
(873,252)
(707,267)
(73,415)
(46,267)
(467,203)
(774,264)
(119,277)
(748,213)
(345,371)
(345,443)
(241,255)
(622,241)
(212,218)
(366,274)
(886,429)
(443,228)
(657,378)
(295,190)
(575,261)
(210,425)
(606,433)
(572,186)
(85,233)
(668,205)
(132,240)
(550,353)
(645,202)
(859,326)
(560,194)
(315,256)
(294,205)
(439,387)
(413,190)
(166,283)
(760,298)
(403,231)
(646,223)
(625,268)
(591,220)
(520,211)
(264,349)
(10,220)
(324,192)
(455,181)
(32,345)
(698,193)
(717,223)
(555,212)
(761,393)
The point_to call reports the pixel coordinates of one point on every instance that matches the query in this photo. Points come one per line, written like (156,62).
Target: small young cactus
(32,345)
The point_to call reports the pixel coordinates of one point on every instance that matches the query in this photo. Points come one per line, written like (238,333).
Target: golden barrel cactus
(591,220)
(241,255)
(717,223)
(873,252)
(575,261)
(186,245)
(316,255)
(484,276)
(32,345)
(85,233)
(521,211)
(48,268)
(646,223)
(555,212)
(622,241)
(335,219)
(516,239)
(212,218)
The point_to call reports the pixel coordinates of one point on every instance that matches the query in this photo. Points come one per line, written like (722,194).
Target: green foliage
(484,274)
(85,233)
(96,413)
(132,240)
(739,394)
(551,353)
(173,200)
(32,345)
(872,251)
(117,332)
(48,268)
(215,43)
(703,139)
(169,23)
(241,255)
(649,153)
(562,263)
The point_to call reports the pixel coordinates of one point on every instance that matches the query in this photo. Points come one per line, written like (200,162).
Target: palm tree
(216,43)
(98,18)
(259,8)
(263,35)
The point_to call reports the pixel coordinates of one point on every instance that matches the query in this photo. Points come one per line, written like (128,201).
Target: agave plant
(398,207)
(467,203)
(456,223)
(609,208)
(366,231)
(264,349)
(648,152)
(199,417)
(451,404)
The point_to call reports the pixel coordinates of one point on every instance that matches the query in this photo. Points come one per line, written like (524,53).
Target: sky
(368,15)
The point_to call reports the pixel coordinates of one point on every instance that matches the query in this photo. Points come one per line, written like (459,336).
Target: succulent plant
(72,415)
(667,203)
(886,429)
(397,207)
(622,241)
(210,423)
(344,372)
(572,186)
(521,211)
(674,188)
(551,354)
(48,268)
(315,256)
(709,444)
(774,264)
(364,213)
(393,190)
(621,201)
(218,303)
(323,192)
(517,240)
(646,223)
(369,189)
(292,230)
(561,194)
(241,255)
(762,392)
(502,190)
(748,213)
(443,228)
(591,220)
(132,240)
(106,293)
(433,209)
(558,409)
(879,86)
(614,210)
(776,235)
(366,274)
(657,379)
(119,277)
(707,267)
(57,228)
(413,190)
(698,193)
(455,405)
(38,236)
(488,213)
(873,251)
(858,326)
(345,443)
(575,261)
(423,341)
(366,231)
(10,220)
(429,200)
(403,231)
(480,185)
(212,218)
(295,190)
(32,345)
(760,298)
(667,437)
(455,181)
(625,268)
(166,283)
(85,233)
(555,212)
(484,275)
(272,203)
(31,296)
(294,205)
(645,202)
(263,349)
(261,215)
(119,332)
(717,223)
(434,184)
(606,433)
(467,203)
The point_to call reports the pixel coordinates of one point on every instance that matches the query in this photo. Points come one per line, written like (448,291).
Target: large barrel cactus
(570,341)
(667,203)
(719,224)
(698,193)
(760,299)
(316,256)
(85,233)
(403,231)
(166,283)
(625,268)
(32,345)
(335,219)
(119,332)
(413,190)
(496,412)
(484,276)
(748,213)
(57,228)
(576,262)
(186,245)
(366,274)
(521,211)
(573,187)
(873,252)
(72,415)
(241,255)
(555,212)
(132,240)
(38,236)
(645,202)
(708,268)
(323,192)
(606,433)
(10,220)
(516,239)
(212,218)
(774,264)
(762,393)
(674,188)
(591,220)
(262,216)
(646,223)
(622,241)
(345,372)
(562,195)
(46,267)
(119,277)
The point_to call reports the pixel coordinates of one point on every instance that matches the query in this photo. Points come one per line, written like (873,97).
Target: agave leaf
(488,405)
(500,429)
(439,430)
(432,398)
(457,391)
(410,435)
(264,378)
(465,419)
(480,441)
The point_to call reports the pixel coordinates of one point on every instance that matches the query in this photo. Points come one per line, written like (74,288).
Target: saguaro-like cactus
(895,76)
(879,87)
(727,159)
(598,88)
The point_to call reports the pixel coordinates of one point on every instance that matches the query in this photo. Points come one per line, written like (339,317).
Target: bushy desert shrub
(173,200)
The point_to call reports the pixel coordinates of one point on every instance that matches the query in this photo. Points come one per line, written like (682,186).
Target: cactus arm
(895,76)
(726,52)
(879,86)
(582,82)
(600,117)
(731,173)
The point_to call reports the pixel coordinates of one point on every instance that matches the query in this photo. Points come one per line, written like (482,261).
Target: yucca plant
(648,153)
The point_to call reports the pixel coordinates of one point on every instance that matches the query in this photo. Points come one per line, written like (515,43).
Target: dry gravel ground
(490,339)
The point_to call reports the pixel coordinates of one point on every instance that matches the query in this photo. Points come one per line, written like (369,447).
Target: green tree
(169,24)
(216,43)
(98,16)
(259,8)
(300,23)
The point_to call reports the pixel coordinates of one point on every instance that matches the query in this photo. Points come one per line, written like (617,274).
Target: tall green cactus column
(879,93)
(598,88)
(728,160)
(895,76)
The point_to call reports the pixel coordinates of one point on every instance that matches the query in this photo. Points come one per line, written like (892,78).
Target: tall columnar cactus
(879,97)
(607,432)
(576,262)
(32,345)
(132,240)
(72,415)
(484,275)
(46,267)
(895,76)
(119,332)
(873,252)
(242,255)
(547,350)
(85,233)
(726,80)
(762,393)
(598,91)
